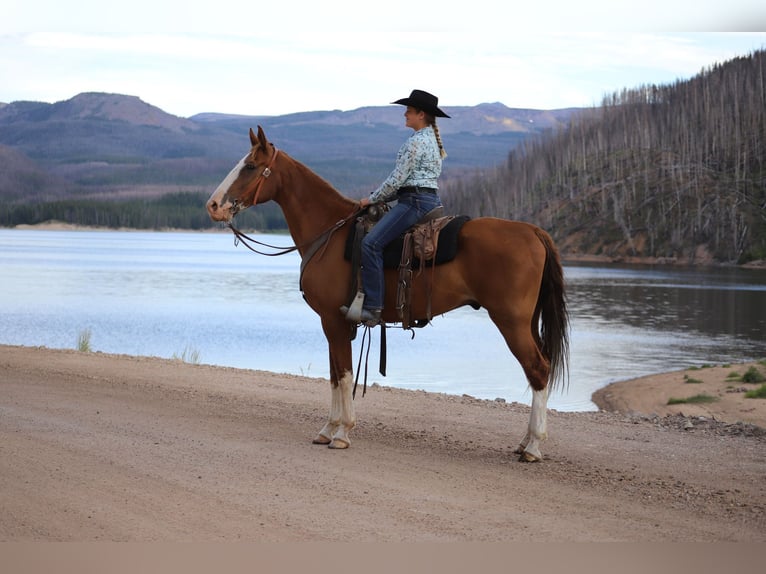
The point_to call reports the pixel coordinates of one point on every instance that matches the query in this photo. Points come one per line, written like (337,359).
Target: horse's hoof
(528,457)
(338,443)
(519,449)
(321,439)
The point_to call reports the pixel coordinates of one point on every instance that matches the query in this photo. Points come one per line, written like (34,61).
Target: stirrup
(370,317)
(354,313)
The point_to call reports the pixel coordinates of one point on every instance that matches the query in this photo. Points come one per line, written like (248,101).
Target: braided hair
(431,120)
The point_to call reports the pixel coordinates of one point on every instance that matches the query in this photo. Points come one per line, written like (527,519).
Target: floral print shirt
(418,164)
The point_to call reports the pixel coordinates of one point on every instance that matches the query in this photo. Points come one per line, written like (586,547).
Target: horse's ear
(262,138)
(253,139)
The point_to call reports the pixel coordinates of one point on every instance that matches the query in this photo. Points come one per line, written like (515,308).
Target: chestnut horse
(510,268)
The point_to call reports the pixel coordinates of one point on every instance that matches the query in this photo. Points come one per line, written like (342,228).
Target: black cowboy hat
(423,101)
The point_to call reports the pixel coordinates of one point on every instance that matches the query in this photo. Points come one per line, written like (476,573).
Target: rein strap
(311,247)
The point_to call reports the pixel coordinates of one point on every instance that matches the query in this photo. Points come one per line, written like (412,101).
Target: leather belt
(415,189)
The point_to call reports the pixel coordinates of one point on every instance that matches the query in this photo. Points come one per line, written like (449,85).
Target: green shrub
(753,375)
(759,393)
(688,379)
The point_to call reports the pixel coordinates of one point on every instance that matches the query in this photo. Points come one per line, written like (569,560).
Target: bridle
(245,239)
(262,177)
(311,247)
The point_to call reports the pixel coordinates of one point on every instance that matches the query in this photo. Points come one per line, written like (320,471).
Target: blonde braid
(442,151)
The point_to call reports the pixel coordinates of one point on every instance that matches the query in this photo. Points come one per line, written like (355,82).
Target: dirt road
(104,447)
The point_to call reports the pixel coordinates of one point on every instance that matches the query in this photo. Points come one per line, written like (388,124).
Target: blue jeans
(406,213)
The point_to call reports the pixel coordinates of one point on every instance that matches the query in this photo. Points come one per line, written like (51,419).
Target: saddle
(430,242)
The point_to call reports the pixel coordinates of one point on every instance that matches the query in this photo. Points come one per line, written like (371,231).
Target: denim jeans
(406,213)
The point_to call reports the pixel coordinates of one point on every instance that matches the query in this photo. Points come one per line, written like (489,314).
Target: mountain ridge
(95,142)
(483,118)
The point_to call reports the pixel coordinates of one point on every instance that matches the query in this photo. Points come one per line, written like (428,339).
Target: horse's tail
(552,309)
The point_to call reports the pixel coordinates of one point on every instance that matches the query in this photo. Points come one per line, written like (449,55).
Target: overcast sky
(267,58)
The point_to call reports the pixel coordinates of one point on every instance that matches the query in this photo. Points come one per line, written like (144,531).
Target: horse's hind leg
(525,347)
(529,448)
(342,415)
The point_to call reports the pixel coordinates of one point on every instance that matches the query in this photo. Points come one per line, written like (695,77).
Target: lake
(164,294)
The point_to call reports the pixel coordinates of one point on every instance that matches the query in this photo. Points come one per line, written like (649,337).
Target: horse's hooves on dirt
(321,439)
(527,457)
(338,444)
(519,450)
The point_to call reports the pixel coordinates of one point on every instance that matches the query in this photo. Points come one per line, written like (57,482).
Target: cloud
(269,71)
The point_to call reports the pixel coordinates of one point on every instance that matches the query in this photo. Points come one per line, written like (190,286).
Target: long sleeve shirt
(418,164)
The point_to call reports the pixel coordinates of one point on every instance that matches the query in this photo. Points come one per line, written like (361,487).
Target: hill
(22,178)
(113,159)
(116,140)
(674,172)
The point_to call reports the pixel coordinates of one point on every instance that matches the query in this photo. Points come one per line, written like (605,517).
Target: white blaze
(224,186)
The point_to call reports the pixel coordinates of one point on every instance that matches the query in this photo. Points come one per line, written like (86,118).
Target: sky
(272,58)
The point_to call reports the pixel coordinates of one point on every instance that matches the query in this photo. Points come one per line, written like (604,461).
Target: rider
(413,184)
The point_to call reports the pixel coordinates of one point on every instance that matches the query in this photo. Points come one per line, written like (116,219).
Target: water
(160,294)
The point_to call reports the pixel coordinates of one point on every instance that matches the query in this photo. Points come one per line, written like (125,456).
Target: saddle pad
(446,249)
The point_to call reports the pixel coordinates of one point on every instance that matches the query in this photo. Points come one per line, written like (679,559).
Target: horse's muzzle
(217,212)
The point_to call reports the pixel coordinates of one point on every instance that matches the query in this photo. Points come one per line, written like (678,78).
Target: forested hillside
(674,171)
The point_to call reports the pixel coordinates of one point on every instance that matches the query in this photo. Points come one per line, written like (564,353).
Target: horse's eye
(250,165)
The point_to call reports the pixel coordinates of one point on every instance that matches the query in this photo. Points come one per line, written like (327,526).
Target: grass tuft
(759,393)
(189,355)
(83,341)
(695,400)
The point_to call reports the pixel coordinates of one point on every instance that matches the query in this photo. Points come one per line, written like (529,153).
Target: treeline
(171,211)
(675,171)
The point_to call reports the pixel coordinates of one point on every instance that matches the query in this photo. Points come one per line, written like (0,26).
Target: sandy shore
(650,395)
(97,447)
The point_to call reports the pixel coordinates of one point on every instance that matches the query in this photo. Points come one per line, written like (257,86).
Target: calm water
(162,293)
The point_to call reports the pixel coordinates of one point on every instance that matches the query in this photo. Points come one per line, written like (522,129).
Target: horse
(510,268)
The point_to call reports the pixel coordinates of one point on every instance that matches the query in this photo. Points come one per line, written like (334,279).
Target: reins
(246,240)
(311,246)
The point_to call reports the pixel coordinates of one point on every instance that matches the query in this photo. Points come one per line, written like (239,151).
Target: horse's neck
(310,205)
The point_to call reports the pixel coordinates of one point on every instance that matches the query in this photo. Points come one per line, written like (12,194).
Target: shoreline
(645,396)
(565,257)
(649,395)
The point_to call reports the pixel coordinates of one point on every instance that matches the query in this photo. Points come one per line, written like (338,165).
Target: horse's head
(242,187)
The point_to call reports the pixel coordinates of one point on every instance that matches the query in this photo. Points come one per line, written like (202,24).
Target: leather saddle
(430,242)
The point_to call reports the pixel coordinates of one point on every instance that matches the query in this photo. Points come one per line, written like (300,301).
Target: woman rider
(413,184)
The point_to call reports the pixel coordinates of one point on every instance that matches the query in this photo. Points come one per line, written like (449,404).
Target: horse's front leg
(335,432)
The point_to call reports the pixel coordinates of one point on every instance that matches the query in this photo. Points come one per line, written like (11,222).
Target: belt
(415,189)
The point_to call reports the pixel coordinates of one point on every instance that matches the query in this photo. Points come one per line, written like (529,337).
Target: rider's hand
(364,202)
